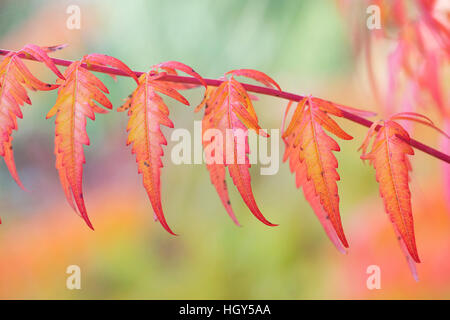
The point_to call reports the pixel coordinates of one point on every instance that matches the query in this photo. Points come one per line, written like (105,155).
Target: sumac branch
(228,106)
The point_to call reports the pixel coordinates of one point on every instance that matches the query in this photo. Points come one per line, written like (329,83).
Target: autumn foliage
(228,106)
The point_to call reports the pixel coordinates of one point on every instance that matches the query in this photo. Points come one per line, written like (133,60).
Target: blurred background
(306,46)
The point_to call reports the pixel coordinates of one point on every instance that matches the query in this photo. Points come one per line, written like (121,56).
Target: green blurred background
(306,48)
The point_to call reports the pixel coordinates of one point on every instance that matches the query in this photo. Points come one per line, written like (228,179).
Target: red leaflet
(77,99)
(15,78)
(147,112)
(228,115)
(309,150)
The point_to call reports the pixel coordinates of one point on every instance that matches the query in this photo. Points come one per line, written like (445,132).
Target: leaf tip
(88,222)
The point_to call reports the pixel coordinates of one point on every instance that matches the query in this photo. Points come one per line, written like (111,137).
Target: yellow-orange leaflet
(309,149)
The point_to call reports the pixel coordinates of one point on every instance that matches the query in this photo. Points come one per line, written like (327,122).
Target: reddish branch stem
(256,89)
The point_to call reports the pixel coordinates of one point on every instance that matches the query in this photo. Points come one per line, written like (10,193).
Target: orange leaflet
(216,170)
(77,97)
(309,150)
(147,112)
(15,78)
(389,158)
(229,111)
